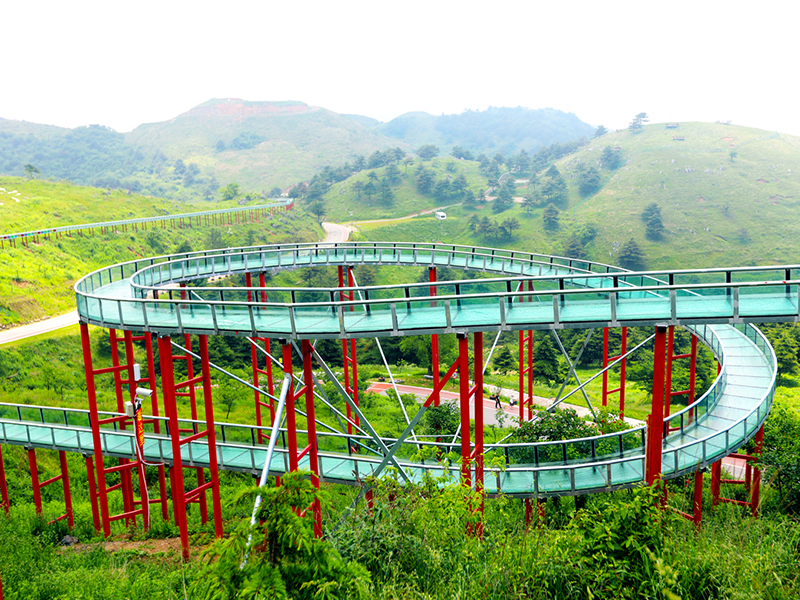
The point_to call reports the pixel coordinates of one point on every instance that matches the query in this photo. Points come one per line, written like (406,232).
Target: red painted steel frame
(622,367)
(752,480)
(63,478)
(434,343)
(477,455)
(349,360)
(655,420)
(291,424)
(267,370)
(671,357)
(526,368)
(5,501)
(180,497)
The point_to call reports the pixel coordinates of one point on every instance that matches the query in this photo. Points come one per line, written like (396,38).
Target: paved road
(489,409)
(33,329)
(335,233)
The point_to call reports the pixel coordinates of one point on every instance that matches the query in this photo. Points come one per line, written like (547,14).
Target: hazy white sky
(125,63)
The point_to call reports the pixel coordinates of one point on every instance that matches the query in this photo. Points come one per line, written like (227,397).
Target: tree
(554,188)
(31,172)
(504,360)
(545,365)
(469,198)
(531,201)
(600,131)
(370,188)
(386,195)
(574,248)
(428,152)
(508,227)
(442,420)
(654,227)
(458,185)
(637,124)
(550,216)
(393,174)
(230,191)
(611,158)
(317,208)
(588,180)
(425,180)
(407,162)
(180,167)
(358,189)
(441,190)
(631,256)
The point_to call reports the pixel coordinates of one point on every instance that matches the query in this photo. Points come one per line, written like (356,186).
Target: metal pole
(311,427)
(477,349)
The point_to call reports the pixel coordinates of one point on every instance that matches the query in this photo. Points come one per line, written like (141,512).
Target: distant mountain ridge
(505,130)
(259,144)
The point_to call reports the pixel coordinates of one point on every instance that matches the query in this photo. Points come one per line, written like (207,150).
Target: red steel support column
(62,459)
(477,349)
(254,359)
(697,512)
(716,480)
(432,278)
(151,381)
(463,388)
(170,407)
(213,468)
(92,492)
(622,367)
(291,423)
(102,495)
(349,360)
(655,420)
(125,474)
(5,501)
(37,493)
(755,494)
(525,367)
(311,427)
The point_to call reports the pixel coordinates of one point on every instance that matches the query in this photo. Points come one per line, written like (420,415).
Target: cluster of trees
(488,228)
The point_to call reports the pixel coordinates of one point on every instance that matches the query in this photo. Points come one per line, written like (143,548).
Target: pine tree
(550,216)
(545,360)
(631,256)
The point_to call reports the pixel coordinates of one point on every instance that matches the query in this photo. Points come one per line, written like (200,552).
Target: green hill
(36,281)
(728,195)
(505,130)
(259,144)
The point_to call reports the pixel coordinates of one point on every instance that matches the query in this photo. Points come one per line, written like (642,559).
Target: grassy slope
(340,200)
(723,211)
(37,281)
